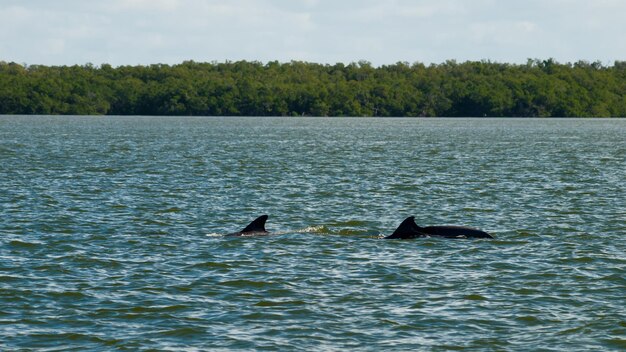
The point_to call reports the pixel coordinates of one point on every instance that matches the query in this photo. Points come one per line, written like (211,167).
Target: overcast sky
(130,32)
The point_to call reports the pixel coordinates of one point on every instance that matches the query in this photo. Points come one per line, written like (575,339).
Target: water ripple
(111,234)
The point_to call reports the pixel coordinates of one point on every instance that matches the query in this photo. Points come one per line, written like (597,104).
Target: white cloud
(144,5)
(381,31)
(55,46)
(502,32)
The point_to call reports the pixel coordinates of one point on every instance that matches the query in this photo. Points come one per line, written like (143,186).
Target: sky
(141,32)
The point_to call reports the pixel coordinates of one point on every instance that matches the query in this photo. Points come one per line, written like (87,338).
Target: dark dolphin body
(256,228)
(409,229)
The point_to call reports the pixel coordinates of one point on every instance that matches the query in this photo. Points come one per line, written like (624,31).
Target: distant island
(539,88)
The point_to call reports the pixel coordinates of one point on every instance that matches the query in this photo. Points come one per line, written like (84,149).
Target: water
(111,234)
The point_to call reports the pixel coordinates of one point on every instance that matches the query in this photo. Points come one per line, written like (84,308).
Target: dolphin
(256,228)
(409,229)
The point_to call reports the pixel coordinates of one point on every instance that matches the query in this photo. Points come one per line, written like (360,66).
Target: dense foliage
(538,88)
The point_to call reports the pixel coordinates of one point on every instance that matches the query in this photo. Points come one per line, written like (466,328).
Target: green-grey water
(111,234)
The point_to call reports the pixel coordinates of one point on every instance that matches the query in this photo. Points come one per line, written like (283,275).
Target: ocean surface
(112,234)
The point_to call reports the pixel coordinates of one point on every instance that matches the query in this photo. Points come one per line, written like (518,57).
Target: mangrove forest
(538,88)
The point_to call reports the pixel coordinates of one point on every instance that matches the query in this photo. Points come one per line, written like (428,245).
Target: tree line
(539,88)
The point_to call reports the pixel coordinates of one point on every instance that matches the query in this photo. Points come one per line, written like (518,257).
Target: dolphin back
(255,227)
(407,229)
(455,232)
(258,225)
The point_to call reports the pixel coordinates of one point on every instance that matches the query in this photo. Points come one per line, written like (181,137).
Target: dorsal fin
(258,225)
(407,229)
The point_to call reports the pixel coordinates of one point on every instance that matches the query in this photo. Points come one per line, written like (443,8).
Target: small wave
(170,210)
(319,229)
(105,170)
(324,230)
(6,151)
(209,265)
(72,336)
(159,309)
(475,297)
(616,342)
(350,223)
(182,332)
(528,320)
(22,244)
(314,229)
(616,279)
(262,316)
(350,232)
(311,229)
(245,283)
(11,278)
(69,295)
(279,303)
